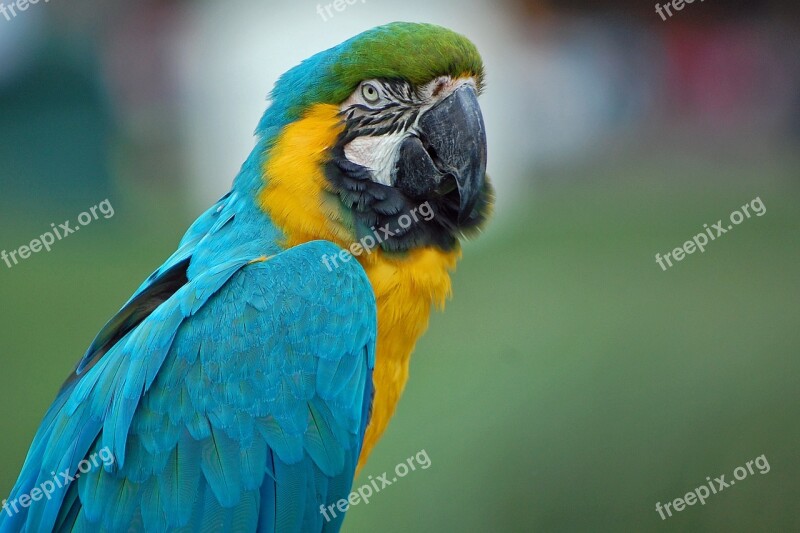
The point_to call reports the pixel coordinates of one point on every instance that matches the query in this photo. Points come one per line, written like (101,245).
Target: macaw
(244,382)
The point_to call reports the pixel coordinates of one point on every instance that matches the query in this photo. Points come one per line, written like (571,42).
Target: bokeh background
(571,384)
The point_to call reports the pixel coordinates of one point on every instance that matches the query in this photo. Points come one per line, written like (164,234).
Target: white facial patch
(378,154)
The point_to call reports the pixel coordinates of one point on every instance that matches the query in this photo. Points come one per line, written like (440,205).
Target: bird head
(380,138)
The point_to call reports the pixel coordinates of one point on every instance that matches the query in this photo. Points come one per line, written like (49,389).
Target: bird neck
(298,199)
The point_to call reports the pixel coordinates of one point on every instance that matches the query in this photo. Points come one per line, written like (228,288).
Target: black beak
(447,157)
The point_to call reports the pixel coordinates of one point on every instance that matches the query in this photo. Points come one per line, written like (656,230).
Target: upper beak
(449,153)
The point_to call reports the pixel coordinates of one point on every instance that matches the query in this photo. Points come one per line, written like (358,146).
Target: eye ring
(370,93)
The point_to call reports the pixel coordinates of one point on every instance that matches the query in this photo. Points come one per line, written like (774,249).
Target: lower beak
(448,155)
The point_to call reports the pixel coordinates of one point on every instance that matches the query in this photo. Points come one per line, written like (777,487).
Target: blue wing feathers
(240,401)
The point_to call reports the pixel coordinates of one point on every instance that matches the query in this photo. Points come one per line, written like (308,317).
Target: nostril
(416,173)
(433,154)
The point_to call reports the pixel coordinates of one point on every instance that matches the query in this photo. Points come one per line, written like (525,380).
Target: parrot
(246,381)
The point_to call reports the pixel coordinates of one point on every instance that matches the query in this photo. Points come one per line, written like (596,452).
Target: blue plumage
(240,402)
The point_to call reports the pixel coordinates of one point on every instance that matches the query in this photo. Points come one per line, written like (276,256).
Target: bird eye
(370,94)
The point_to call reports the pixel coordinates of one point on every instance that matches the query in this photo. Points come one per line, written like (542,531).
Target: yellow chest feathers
(298,198)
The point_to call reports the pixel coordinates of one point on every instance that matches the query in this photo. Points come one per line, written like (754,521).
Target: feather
(179,481)
(220,464)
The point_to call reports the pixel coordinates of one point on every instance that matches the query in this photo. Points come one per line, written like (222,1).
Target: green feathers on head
(414,52)
(400,50)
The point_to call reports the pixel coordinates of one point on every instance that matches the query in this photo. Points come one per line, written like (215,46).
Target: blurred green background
(571,383)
